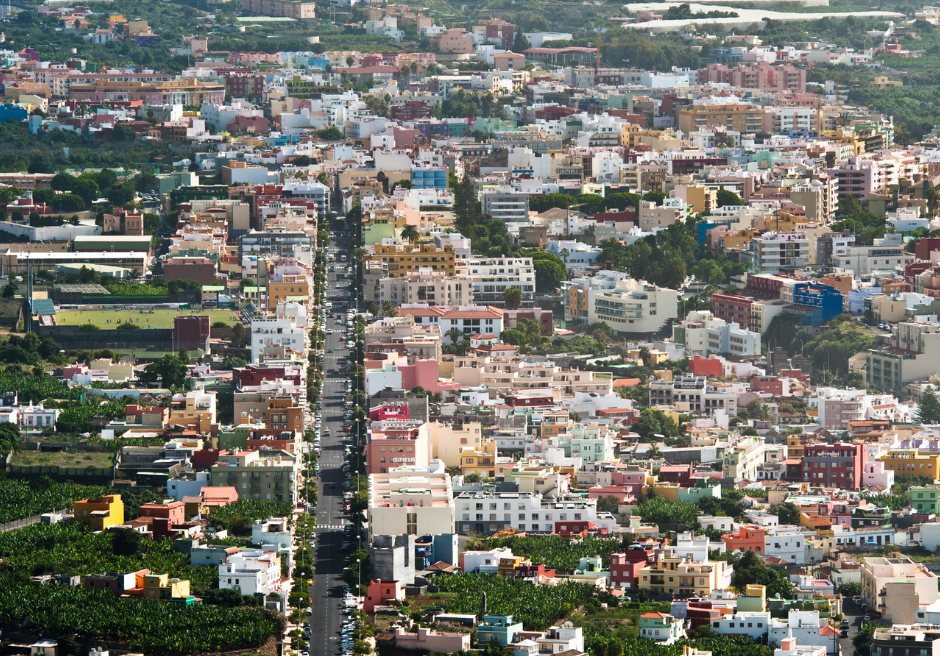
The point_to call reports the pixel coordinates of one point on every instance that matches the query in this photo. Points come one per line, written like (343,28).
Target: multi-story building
(411,501)
(492,276)
(886,254)
(911,355)
(739,117)
(910,463)
(397,443)
(489,512)
(753,313)
(924,499)
(837,465)
(704,335)
(404,259)
(506,204)
(677,576)
(661,627)
(741,460)
(171,92)
(261,475)
(427,286)
(761,75)
(286,327)
(906,639)
(251,572)
(295,9)
(897,587)
(693,394)
(629,306)
(779,251)
(101,513)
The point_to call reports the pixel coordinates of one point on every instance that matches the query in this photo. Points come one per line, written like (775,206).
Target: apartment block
(492,276)
(262,475)
(427,286)
(404,259)
(411,501)
(738,117)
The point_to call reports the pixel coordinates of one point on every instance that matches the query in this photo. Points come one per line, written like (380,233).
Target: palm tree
(564,255)
(456,335)
(410,234)
(388,309)
(512,297)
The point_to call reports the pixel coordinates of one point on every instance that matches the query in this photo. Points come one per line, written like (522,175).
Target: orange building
(748,538)
(101,513)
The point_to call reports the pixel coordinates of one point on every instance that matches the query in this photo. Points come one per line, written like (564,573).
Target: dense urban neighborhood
(507,328)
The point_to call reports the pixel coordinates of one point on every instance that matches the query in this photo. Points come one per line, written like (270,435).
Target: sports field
(108,319)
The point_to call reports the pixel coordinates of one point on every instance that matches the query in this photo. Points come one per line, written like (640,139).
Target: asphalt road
(326,591)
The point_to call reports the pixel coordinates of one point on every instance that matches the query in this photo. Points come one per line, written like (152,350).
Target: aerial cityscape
(501,327)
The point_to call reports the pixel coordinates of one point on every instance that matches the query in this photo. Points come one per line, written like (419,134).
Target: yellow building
(294,288)
(480,461)
(906,463)
(668,491)
(508,565)
(737,117)
(403,259)
(699,197)
(676,575)
(161,586)
(794,446)
(101,513)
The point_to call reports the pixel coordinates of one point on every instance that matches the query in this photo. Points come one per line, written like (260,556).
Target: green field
(62,459)
(159,318)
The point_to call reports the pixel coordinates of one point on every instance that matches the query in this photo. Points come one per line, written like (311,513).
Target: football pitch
(109,319)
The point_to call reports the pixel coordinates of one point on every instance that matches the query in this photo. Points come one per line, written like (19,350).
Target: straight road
(326,591)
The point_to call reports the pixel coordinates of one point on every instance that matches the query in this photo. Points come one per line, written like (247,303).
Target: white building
(702,334)
(506,204)
(492,276)
(427,286)
(754,625)
(632,306)
(273,530)
(806,627)
(37,417)
(489,512)
(251,572)
(485,562)
(886,254)
(779,251)
(411,501)
(286,326)
(786,542)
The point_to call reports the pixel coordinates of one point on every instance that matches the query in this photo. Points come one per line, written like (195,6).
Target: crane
(597,59)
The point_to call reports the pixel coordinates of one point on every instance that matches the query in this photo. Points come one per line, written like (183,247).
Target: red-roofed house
(218,497)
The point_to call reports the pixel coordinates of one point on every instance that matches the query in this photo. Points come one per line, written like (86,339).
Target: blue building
(499,629)
(429,178)
(702,228)
(817,301)
(11,112)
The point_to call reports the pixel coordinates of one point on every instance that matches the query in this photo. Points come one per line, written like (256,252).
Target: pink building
(381,592)
(390,411)
(622,492)
(397,447)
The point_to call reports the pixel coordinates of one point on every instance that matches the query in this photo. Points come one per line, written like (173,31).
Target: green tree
(787,513)
(330,134)
(512,296)
(121,194)
(928,408)
(520,43)
(410,234)
(726,197)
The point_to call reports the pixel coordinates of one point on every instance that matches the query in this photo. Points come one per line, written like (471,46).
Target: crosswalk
(330,526)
